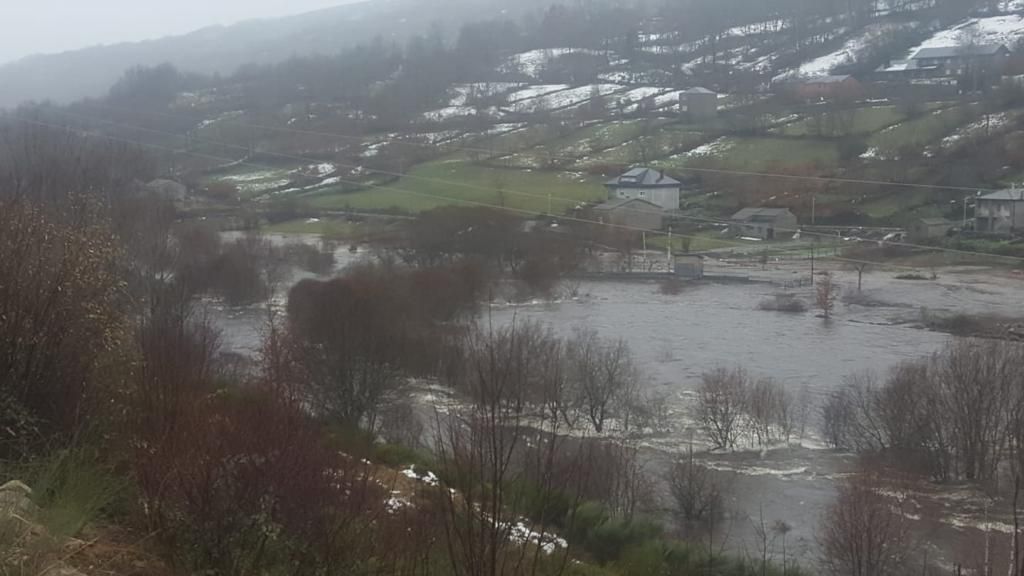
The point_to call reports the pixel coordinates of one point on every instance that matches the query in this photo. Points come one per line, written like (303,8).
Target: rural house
(926,228)
(1000,212)
(764,222)
(823,88)
(633,213)
(955,59)
(646,184)
(699,103)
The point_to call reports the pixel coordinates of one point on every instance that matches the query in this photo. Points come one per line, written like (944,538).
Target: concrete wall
(700,105)
(667,198)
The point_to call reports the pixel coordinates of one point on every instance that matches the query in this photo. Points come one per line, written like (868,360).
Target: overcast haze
(48,26)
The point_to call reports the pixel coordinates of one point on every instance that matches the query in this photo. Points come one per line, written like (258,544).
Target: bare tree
(826,295)
(491,447)
(603,376)
(720,407)
(865,533)
(697,495)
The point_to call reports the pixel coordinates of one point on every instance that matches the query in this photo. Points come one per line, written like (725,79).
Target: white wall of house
(667,198)
(999,216)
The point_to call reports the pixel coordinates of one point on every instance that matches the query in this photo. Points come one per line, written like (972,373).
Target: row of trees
(957,415)
(732,406)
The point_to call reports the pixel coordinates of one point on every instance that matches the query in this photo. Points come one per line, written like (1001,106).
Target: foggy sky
(48,26)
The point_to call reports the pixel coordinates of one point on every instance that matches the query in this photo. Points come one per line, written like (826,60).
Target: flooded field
(676,338)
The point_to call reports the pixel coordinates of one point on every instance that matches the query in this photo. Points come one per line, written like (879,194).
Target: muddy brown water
(676,338)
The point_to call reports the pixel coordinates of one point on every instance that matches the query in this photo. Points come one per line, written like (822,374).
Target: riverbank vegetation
(130,426)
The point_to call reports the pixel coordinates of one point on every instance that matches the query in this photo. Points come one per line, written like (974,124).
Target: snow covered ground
(993,30)
(532,63)
(449,113)
(980,127)
(535,92)
(629,101)
(713,148)
(850,52)
(464,93)
(564,98)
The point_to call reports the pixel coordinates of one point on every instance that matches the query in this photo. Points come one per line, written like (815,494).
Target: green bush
(72,488)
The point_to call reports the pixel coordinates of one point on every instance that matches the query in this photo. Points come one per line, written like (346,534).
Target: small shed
(699,103)
(926,228)
(763,223)
(632,213)
(689,267)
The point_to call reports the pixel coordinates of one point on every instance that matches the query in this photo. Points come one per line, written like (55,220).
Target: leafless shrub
(826,295)
(720,409)
(603,377)
(697,495)
(60,317)
(865,533)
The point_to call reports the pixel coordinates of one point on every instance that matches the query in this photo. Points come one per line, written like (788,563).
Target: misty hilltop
(90,72)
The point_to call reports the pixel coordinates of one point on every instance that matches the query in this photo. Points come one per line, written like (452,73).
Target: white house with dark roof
(1000,212)
(646,184)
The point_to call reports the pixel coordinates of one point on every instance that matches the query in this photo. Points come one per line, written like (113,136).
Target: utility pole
(814,206)
(549,203)
(812,262)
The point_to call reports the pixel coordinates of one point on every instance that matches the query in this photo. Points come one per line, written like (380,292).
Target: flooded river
(676,338)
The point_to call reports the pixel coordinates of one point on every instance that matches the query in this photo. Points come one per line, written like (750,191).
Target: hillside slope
(90,72)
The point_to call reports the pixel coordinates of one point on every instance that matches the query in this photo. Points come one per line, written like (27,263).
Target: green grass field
(922,131)
(860,121)
(445,183)
(759,154)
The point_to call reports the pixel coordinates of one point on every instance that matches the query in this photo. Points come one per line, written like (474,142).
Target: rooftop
(957,51)
(1014,194)
(759,214)
(698,90)
(643,177)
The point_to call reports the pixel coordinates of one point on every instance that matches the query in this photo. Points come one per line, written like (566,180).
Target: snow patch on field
(535,92)
(448,113)
(978,128)
(713,148)
(532,63)
(851,51)
(993,30)
(464,93)
(564,98)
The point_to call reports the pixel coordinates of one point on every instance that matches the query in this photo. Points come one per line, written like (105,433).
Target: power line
(566,201)
(437,197)
(550,156)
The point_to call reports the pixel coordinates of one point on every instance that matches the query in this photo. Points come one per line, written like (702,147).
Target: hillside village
(837,105)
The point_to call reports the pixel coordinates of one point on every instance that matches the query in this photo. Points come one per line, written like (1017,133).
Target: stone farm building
(953,60)
(764,223)
(646,184)
(634,213)
(1000,212)
(926,228)
(699,103)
